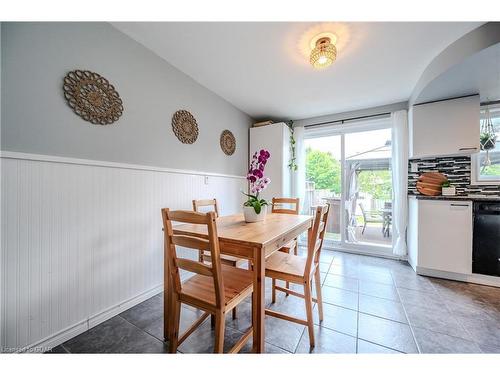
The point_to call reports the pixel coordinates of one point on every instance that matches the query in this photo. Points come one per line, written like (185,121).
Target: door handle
(467,148)
(459,205)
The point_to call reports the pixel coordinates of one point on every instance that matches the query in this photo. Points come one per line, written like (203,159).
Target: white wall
(84,242)
(36,118)
(474,41)
(80,216)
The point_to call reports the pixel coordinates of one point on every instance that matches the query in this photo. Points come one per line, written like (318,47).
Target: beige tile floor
(372,305)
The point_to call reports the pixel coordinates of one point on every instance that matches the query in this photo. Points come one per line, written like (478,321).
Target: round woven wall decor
(92,97)
(185,126)
(227,142)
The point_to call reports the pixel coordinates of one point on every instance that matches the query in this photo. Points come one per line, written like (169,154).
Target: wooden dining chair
(277,208)
(215,288)
(205,256)
(206,203)
(299,270)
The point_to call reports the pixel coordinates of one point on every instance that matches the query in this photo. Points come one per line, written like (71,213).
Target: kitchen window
(486,165)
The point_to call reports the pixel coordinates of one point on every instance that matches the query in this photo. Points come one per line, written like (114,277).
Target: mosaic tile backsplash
(458,171)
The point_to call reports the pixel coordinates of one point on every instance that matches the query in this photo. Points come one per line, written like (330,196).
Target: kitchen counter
(457,197)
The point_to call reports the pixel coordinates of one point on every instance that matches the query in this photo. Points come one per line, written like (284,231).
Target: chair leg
(234,313)
(220,322)
(287,283)
(212,321)
(174,332)
(309,312)
(364,227)
(273,293)
(319,297)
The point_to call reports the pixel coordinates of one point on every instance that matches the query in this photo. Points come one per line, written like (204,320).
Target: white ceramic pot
(449,190)
(251,216)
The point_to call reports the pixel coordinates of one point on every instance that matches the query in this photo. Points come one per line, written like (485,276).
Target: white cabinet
(440,235)
(276,139)
(412,232)
(448,127)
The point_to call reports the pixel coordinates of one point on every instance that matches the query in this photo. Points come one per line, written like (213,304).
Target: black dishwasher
(486,239)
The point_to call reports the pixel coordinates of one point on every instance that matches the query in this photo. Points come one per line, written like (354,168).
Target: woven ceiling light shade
(324,54)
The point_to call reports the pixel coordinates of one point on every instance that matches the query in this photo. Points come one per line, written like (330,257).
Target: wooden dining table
(253,241)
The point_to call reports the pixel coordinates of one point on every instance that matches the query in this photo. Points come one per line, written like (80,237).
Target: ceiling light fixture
(323,54)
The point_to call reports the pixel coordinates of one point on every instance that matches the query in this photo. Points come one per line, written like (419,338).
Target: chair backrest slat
(204,203)
(189,217)
(278,204)
(210,244)
(317,234)
(191,242)
(193,266)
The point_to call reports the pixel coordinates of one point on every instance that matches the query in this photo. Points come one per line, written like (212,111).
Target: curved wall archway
(475,41)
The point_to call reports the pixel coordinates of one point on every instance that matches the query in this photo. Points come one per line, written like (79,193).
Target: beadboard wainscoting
(82,240)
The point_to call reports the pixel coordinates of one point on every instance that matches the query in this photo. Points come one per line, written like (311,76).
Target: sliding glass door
(349,166)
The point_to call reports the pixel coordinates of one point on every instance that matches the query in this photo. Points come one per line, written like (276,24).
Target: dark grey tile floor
(371,305)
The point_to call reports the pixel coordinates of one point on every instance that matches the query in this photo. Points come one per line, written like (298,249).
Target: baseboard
(468,278)
(94,320)
(123,306)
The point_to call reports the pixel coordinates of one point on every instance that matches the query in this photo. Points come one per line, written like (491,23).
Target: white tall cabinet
(274,138)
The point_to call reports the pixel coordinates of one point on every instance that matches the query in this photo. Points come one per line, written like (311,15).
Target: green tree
(323,169)
(376,183)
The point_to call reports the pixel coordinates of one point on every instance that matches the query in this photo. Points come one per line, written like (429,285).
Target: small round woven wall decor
(185,127)
(92,97)
(227,142)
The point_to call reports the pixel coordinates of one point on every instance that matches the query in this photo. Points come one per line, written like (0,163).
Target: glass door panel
(324,180)
(368,188)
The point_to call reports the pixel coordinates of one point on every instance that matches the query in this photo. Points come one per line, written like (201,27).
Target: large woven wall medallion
(92,97)
(227,142)
(185,127)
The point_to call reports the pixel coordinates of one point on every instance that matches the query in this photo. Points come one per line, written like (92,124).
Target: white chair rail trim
(100,163)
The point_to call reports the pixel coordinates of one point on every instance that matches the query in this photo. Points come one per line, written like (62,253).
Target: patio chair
(387,216)
(370,217)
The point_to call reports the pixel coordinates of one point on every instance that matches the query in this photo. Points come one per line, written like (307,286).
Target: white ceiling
(478,74)
(263,68)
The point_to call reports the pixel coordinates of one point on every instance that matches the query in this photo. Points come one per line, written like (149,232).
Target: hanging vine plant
(293,158)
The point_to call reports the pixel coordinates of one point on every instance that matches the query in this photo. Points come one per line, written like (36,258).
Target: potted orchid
(254,209)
